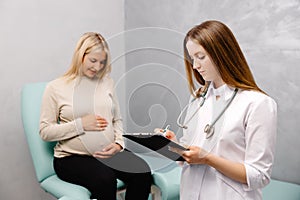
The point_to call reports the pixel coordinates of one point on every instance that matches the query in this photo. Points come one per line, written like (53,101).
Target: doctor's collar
(223,91)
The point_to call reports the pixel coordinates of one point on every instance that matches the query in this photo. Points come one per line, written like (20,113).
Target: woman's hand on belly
(108,151)
(93,123)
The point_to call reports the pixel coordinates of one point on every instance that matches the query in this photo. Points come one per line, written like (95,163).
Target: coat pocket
(229,188)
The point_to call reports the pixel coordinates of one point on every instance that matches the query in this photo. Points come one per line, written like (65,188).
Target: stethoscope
(209,128)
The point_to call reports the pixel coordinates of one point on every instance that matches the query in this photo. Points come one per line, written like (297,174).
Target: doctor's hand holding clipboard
(193,154)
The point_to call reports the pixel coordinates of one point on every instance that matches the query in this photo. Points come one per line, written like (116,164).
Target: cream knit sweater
(63,105)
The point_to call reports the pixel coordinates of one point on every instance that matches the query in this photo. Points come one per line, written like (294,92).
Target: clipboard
(159,144)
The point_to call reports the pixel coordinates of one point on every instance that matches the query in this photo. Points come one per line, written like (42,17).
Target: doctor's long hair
(220,44)
(88,42)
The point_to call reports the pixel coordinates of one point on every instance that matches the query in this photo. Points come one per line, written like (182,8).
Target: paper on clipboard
(159,144)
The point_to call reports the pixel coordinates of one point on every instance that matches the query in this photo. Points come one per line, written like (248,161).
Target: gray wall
(37,39)
(269,34)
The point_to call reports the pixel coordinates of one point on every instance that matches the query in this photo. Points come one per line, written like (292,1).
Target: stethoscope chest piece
(209,130)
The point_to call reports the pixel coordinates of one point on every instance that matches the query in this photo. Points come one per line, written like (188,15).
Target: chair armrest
(60,188)
(168,182)
(278,190)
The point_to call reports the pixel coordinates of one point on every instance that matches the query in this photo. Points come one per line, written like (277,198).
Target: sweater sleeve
(50,128)
(117,120)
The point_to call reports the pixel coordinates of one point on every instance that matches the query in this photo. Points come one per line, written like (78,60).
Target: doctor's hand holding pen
(166,133)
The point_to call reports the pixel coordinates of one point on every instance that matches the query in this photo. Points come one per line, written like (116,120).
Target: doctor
(231,137)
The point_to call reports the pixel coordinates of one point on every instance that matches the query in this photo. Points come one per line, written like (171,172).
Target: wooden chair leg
(155,193)
(121,194)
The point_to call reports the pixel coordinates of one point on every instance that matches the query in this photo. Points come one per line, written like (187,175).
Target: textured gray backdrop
(269,34)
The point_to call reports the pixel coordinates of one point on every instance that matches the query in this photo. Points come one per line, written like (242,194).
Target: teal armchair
(166,181)
(42,152)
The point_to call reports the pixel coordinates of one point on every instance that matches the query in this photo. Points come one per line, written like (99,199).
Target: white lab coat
(246,133)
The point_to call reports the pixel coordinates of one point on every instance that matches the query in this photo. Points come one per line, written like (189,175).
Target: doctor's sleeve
(260,138)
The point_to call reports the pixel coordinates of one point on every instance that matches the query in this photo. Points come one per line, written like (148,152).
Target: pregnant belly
(97,140)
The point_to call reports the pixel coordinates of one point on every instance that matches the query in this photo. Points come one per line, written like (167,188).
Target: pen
(165,131)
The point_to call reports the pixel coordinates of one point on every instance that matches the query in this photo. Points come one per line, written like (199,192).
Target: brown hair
(223,49)
(87,43)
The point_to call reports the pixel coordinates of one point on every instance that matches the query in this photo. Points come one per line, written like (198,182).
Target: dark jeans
(100,176)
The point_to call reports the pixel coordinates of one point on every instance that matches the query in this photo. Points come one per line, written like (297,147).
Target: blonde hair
(223,49)
(88,43)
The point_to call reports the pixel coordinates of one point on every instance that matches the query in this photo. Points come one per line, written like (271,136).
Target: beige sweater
(63,105)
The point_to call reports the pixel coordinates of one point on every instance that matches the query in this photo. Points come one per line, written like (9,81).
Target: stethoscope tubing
(225,108)
(185,108)
(209,128)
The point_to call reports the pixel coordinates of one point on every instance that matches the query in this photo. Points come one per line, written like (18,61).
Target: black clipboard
(159,144)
